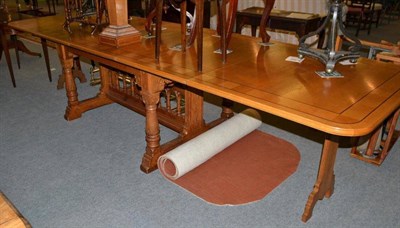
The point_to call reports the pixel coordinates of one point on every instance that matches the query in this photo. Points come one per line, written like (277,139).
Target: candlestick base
(119,36)
(330,56)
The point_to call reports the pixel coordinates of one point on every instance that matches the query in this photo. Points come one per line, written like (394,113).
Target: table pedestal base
(141,92)
(325,183)
(119,36)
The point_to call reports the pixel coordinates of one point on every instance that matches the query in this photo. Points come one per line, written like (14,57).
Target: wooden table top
(254,75)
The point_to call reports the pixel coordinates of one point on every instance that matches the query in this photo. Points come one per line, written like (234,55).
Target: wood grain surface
(253,75)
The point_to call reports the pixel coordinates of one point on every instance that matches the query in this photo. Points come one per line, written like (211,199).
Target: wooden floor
(10,216)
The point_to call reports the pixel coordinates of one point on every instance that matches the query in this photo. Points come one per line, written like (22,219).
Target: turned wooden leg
(326,179)
(151,88)
(67,62)
(76,72)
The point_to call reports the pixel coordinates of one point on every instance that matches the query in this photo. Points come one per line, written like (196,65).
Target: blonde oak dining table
(253,75)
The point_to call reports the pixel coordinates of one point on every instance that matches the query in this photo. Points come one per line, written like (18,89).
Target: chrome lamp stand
(329,56)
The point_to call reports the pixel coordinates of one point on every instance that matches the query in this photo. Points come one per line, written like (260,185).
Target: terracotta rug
(244,172)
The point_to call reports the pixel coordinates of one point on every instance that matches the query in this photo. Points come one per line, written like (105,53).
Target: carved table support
(46,57)
(151,88)
(326,178)
(76,72)
(194,121)
(67,62)
(75,107)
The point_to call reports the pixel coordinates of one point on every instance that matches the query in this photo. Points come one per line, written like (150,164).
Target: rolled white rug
(195,152)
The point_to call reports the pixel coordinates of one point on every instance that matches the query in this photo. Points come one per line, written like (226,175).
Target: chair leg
(183,7)
(15,44)
(4,45)
(46,57)
(199,25)
(159,5)
(358,25)
(378,17)
(9,64)
(369,21)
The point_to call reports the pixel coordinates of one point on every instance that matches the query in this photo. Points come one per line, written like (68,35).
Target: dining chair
(363,13)
(196,31)
(249,19)
(391,10)
(9,40)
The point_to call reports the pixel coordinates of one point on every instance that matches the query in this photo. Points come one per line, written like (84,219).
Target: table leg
(4,45)
(325,182)
(46,57)
(227,111)
(194,122)
(14,42)
(239,24)
(151,88)
(66,59)
(75,107)
(20,46)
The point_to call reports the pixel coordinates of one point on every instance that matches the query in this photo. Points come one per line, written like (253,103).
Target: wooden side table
(300,23)
(36,10)
(6,44)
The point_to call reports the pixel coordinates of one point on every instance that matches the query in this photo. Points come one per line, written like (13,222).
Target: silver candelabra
(329,56)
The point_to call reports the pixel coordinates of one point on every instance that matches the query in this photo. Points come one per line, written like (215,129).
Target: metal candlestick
(330,56)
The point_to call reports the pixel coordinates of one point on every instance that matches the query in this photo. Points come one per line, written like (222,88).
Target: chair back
(364,5)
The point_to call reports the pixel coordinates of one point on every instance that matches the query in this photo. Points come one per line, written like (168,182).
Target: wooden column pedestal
(119,32)
(119,35)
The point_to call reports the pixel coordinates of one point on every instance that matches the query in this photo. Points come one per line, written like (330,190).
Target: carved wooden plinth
(119,36)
